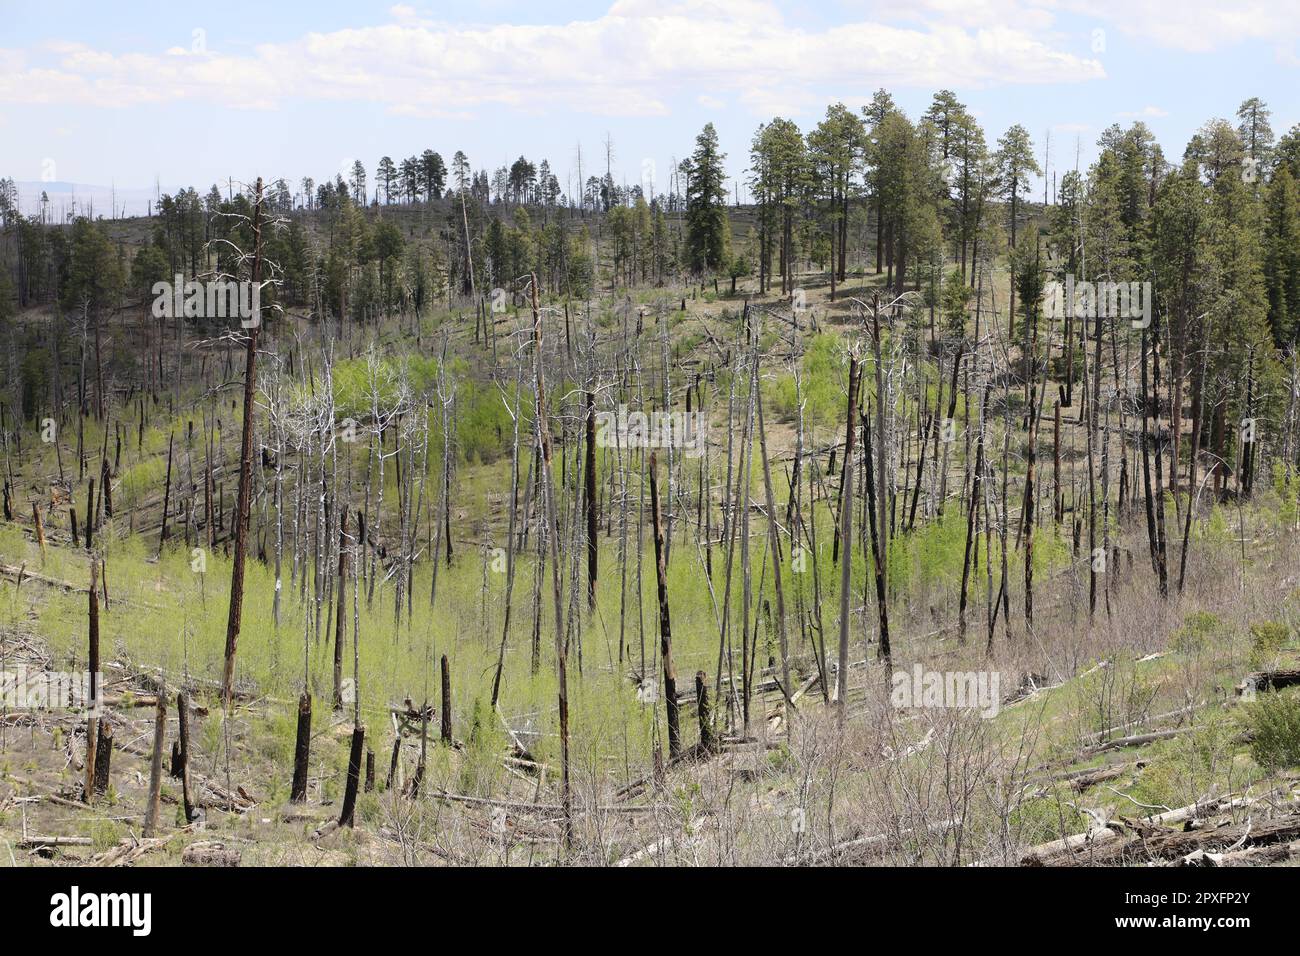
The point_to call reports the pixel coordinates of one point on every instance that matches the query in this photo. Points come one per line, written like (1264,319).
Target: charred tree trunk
(590,501)
(301,750)
(92,729)
(167,492)
(103,758)
(774,542)
(705,714)
(340,617)
(183,714)
(245,493)
(156,764)
(553,534)
(846,536)
(665,627)
(877,548)
(346,817)
(444,719)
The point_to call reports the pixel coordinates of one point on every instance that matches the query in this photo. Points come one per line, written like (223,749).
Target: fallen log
(37,842)
(1174,844)
(205,853)
(128,852)
(1257,681)
(1251,856)
(1137,740)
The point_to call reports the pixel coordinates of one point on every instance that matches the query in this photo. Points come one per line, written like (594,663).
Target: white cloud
(631,61)
(1147,112)
(1196,26)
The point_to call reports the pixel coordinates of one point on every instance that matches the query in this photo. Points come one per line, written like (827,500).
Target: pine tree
(1282,257)
(706,211)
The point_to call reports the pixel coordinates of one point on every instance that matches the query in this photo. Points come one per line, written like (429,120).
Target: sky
(176,93)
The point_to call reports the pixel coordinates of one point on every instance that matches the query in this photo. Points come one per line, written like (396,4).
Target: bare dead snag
(590,501)
(340,617)
(972,538)
(183,715)
(346,818)
(301,750)
(704,712)
(846,538)
(553,534)
(878,551)
(444,719)
(774,542)
(92,722)
(245,492)
(413,791)
(394,762)
(40,529)
(883,501)
(1162,559)
(106,485)
(665,627)
(103,758)
(510,541)
(156,764)
(1198,411)
(1031,460)
(1057,501)
(167,497)
(90,515)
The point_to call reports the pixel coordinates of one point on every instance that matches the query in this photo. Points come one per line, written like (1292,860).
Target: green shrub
(1266,639)
(1197,627)
(1274,722)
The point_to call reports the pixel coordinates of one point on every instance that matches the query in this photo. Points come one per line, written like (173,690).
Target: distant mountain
(81,199)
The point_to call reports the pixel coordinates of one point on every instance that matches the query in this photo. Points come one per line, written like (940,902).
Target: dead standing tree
(244,496)
(553,535)
(665,628)
(846,537)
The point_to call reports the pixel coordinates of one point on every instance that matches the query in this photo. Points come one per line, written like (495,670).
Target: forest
(871,507)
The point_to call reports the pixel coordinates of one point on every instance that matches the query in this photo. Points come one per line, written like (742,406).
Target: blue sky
(194,93)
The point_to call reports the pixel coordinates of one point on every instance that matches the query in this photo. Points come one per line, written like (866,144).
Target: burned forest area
(887,495)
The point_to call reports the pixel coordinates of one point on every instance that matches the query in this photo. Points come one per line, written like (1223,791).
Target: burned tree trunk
(878,550)
(301,750)
(444,718)
(972,541)
(665,627)
(774,542)
(103,758)
(92,721)
(340,617)
(245,493)
(703,711)
(167,492)
(40,528)
(183,714)
(846,537)
(156,764)
(553,534)
(590,501)
(346,817)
